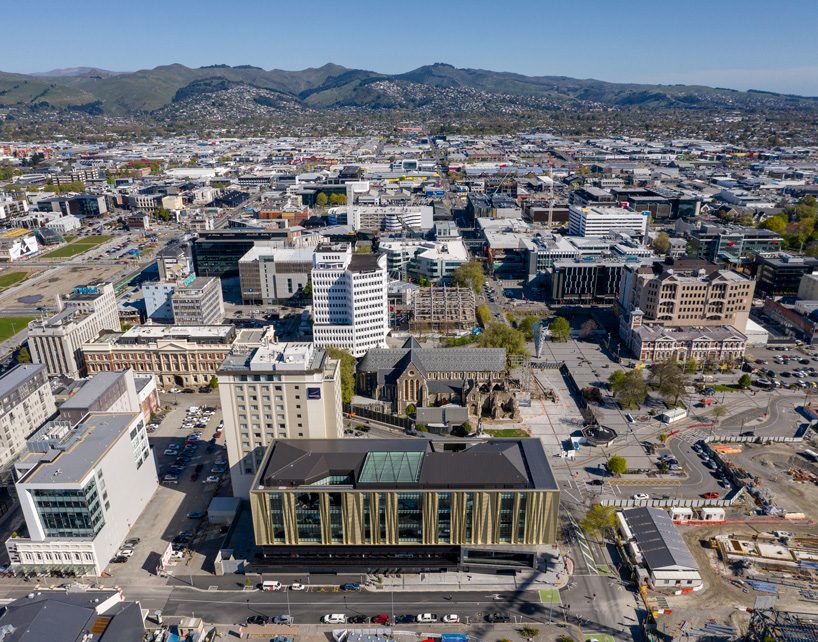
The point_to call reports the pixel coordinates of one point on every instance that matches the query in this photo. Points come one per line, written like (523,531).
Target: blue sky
(729,43)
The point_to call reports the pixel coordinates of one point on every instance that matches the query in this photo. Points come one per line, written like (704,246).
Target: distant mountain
(439,87)
(73,72)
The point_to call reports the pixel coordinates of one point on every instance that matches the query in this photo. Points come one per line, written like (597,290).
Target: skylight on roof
(391,467)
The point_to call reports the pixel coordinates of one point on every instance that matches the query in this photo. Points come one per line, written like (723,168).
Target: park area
(76,247)
(9,326)
(7,279)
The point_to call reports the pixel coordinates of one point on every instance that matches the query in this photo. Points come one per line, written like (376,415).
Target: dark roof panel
(407,463)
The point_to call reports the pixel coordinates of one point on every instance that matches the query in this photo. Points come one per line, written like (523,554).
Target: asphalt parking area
(165,517)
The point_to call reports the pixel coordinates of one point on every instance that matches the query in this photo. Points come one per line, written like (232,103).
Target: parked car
(640,496)
(381,618)
(125,552)
(131,542)
(497,618)
(426,618)
(260,620)
(334,618)
(196,514)
(212,479)
(350,586)
(297,586)
(271,585)
(451,618)
(283,619)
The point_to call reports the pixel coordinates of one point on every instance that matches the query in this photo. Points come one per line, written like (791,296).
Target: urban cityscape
(447,354)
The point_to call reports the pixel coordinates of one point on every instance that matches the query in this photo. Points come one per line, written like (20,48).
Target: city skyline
(633,43)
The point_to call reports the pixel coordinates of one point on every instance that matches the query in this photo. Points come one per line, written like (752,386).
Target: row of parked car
(421,618)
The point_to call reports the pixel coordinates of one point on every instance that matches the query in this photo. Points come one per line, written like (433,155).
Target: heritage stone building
(422,376)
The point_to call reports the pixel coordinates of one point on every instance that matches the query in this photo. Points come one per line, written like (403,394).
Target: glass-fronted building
(377,503)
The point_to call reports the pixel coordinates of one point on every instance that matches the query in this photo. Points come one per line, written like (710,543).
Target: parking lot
(177,510)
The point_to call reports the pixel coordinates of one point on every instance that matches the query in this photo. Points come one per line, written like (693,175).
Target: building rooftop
(92,389)
(71,616)
(434,359)
(156,332)
(659,539)
(405,463)
(78,449)
(17,376)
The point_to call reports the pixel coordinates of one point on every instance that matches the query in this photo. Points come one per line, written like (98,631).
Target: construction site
(443,310)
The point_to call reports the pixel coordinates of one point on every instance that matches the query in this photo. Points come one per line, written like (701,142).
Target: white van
(334,618)
(271,585)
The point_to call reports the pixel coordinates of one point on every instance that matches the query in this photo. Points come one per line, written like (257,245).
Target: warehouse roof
(658,539)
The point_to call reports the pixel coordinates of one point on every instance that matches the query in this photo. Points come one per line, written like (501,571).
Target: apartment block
(82,316)
(26,403)
(273,391)
(349,293)
(81,488)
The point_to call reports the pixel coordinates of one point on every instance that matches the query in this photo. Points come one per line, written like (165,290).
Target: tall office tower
(349,294)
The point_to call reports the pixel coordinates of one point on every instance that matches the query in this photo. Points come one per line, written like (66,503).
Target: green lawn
(77,247)
(9,326)
(7,279)
(550,596)
(506,432)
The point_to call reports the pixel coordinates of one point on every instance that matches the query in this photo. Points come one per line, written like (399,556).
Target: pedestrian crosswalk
(693,436)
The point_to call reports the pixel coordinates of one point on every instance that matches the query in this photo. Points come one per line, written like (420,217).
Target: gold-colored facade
(344,516)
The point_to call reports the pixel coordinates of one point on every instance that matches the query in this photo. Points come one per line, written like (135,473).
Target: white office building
(389,218)
(26,403)
(349,294)
(81,488)
(606,221)
(272,391)
(82,315)
(157,297)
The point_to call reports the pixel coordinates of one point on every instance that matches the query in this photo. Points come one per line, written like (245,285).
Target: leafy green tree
(23,355)
(483,314)
(630,390)
(348,366)
(214,382)
(661,244)
(615,379)
(499,335)
(163,214)
(618,465)
(526,326)
(744,381)
(410,409)
(307,289)
(599,519)
(719,412)
(777,224)
(691,365)
(560,329)
(321,199)
(669,378)
(470,275)
(338,199)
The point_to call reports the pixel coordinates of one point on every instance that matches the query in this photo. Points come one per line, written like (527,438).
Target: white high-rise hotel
(350,308)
